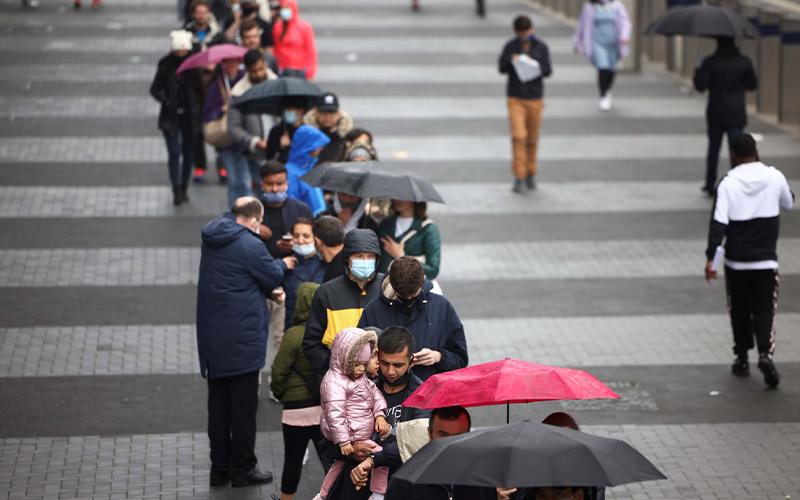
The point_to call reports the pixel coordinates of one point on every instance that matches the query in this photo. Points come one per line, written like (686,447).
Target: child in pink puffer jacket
(352,406)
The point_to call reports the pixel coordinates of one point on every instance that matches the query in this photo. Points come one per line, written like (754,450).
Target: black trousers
(232,406)
(180,153)
(712,156)
(295,442)
(605,80)
(752,301)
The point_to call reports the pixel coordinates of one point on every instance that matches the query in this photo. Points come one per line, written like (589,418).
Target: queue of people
(346,294)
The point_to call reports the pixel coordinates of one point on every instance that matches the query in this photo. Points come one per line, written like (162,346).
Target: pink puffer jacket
(349,407)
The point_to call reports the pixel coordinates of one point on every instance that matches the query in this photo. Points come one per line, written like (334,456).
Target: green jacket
(421,241)
(291,371)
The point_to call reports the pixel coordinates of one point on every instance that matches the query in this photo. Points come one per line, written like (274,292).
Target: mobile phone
(287,237)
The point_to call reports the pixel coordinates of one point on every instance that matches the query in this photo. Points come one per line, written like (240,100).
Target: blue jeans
(714,144)
(180,154)
(239,180)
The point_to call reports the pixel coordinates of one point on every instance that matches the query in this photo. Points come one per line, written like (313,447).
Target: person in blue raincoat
(307,143)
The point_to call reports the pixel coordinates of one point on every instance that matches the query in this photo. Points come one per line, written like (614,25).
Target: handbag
(215,132)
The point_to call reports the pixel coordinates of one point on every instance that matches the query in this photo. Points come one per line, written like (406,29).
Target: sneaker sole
(771,376)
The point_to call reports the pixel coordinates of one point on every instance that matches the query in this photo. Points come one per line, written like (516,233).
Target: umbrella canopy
(702,20)
(372,179)
(270,96)
(507,381)
(214,55)
(527,454)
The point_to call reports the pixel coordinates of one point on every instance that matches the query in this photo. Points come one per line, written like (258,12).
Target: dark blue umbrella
(271,96)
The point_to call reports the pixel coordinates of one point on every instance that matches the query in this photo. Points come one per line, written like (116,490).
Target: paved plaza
(600,268)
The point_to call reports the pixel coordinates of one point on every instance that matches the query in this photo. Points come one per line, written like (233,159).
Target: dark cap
(328,102)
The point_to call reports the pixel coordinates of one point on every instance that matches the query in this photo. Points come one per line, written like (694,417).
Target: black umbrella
(271,96)
(702,20)
(372,179)
(527,454)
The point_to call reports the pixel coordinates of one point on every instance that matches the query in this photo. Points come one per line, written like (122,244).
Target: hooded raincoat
(295,44)
(236,274)
(305,140)
(432,320)
(349,407)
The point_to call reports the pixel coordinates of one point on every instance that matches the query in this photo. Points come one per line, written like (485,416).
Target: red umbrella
(214,55)
(505,382)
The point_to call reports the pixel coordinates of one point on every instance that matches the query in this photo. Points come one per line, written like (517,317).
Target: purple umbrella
(214,55)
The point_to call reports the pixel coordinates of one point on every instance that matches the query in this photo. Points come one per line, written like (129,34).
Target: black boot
(185,194)
(252,478)
(767,367)
(740,367)
(177,196)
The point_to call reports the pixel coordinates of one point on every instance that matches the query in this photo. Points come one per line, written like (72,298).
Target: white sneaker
(605,103)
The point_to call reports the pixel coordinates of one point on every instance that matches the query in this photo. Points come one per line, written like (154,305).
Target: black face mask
(248,9)
(402,380)
(409,303)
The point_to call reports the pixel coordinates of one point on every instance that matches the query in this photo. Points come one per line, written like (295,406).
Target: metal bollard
(769,48)
(789,96)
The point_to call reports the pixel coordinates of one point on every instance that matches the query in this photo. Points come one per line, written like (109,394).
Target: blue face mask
(289,116)
(286,14)
(362,268)
(304,250)
(275,198)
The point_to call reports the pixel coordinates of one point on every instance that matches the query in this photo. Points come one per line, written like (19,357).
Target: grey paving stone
(110,350)
(472,263)
(615,341)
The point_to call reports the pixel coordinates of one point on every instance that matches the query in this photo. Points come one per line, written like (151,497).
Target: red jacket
(297,49)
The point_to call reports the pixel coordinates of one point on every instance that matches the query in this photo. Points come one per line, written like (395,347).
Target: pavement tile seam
(462,199)
(473,263)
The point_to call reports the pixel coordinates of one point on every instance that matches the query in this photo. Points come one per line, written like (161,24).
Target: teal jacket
(421,241)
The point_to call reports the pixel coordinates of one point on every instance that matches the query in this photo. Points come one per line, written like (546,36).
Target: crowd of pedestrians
(344,289)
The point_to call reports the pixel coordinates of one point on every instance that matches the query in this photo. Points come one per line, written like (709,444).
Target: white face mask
(286,14)
(256,228)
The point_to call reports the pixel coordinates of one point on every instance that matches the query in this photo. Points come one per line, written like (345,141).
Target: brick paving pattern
(600,267)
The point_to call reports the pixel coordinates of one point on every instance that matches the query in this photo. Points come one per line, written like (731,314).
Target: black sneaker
(219,477)
(252,478)
(740,367)
(530,182)
(767,367)
(518,188)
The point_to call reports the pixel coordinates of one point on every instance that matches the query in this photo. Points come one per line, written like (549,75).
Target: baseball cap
(328,102)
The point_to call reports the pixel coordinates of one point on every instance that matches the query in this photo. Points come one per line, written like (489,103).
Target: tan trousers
(277,313)
(525,117)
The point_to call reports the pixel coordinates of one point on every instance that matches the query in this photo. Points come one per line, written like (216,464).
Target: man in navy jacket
(236,272)
(406,300)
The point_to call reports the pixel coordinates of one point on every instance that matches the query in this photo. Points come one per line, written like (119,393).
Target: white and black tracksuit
(746,214)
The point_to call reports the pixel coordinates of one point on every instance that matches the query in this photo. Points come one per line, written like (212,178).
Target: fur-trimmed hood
(346,346)
(343,125)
